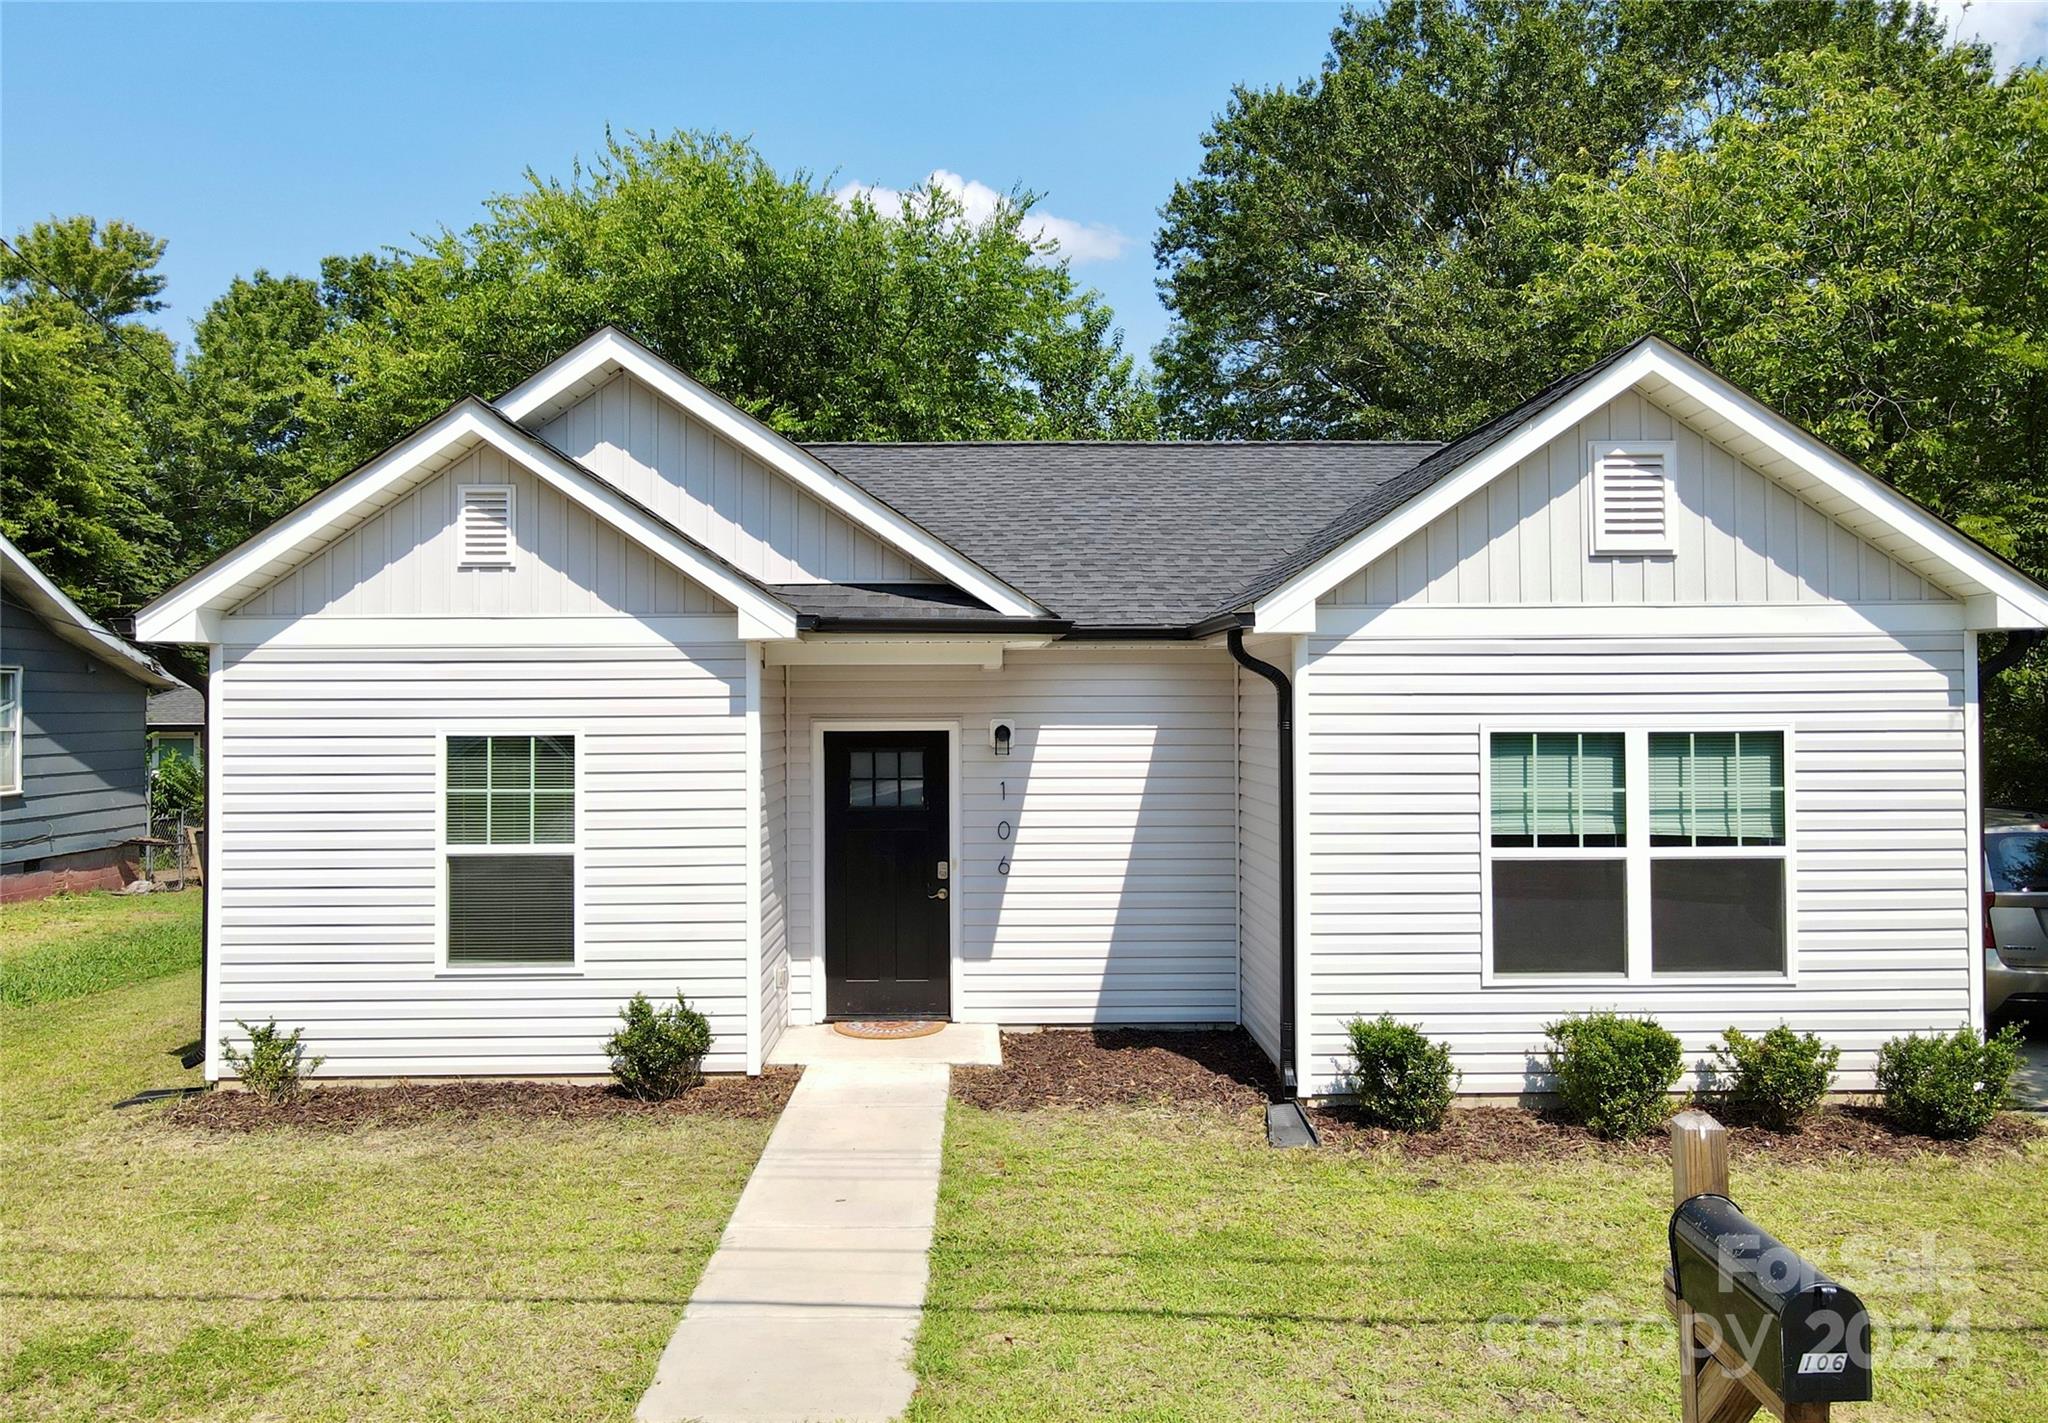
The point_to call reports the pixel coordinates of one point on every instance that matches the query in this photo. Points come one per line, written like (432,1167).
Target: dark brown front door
(887,940)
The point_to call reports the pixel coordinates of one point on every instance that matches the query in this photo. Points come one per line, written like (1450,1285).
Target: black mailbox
(1804,1335)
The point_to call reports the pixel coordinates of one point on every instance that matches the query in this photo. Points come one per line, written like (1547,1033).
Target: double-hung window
(510,831)
(1636,855)
(10,731)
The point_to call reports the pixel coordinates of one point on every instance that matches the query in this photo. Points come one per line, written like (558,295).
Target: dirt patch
(1119,1067)
(1508,1134)
(402,1104)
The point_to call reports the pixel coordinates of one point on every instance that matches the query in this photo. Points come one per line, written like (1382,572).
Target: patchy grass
(490,1268)
(70,945)
(1139,1263)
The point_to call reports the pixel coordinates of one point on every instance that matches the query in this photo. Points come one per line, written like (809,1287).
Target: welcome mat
(888,1029)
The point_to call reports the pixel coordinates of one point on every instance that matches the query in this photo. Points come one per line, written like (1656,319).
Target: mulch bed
(1226,1071)
(404,1104)
(1122,1067)
(1506,1134)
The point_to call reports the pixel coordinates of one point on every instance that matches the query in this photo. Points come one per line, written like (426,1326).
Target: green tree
(81,391)
(1351,259)
(1867,252)
(825,319)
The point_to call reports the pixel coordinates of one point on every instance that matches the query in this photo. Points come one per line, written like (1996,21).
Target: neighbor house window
(1577,887)
(510,831)
(10,731)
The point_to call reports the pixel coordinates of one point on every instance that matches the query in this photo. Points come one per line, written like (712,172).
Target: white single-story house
(1637,697)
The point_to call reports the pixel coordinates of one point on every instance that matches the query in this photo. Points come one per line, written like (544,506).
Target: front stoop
(808,1310)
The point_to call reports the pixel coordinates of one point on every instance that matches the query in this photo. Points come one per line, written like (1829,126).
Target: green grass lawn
(1142,1264)
(490,1270)
(73,944)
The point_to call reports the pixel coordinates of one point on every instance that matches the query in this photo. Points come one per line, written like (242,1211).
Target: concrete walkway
(808,1309)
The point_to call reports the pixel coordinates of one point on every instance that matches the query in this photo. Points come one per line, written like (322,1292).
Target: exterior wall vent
(1632,497)
(486,526)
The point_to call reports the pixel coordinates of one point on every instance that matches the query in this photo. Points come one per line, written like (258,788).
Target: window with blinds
(1696,883)
(510,830)
(486,526)
(1717,788)
(1632,498)
(1559,789)
(10,731)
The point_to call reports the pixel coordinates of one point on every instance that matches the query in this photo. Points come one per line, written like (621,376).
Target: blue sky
(269,136)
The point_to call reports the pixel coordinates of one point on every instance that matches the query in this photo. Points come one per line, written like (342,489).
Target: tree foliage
(125,468)
(1826,201)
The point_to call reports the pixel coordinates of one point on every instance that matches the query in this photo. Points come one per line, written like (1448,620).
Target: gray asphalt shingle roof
(1125,535)
(180,706)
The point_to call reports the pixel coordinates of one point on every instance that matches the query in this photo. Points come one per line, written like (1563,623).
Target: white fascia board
(184,615)
(2015,601)
(835,651)
(73,624)
(610,348)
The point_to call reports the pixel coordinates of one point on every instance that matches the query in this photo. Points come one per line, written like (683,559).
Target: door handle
(941,894)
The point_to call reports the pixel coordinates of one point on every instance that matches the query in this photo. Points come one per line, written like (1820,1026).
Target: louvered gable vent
(1632,498)
(486,526)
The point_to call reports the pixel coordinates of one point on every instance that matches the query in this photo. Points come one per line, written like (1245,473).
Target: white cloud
(1078,241)
(2016,30)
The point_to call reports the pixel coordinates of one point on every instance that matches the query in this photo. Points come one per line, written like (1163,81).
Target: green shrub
(659,1052)
(1612,1073)
(1400,1078)
(1775,1079)
(274,1062)
(176,787)
(1947,1086)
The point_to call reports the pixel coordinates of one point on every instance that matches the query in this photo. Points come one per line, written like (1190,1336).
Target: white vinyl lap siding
(1258,852)
(1120,905)
(1740,537)
(705,485)
(326,864)
(1883,925)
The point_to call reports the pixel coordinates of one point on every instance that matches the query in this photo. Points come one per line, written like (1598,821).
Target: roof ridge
(1111,444)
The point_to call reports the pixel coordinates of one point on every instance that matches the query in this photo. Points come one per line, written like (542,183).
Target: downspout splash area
(1286,1123)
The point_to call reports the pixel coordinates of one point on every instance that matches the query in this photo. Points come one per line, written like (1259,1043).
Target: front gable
(406,561)
(1734,536)
(723,496)
(1703,407)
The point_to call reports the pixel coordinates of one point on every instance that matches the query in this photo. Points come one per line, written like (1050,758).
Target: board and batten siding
(774,857)
(1258,848)
(1120,902)
(84,750)
(406,560)
(327,862)
(628,433)
(1740,537)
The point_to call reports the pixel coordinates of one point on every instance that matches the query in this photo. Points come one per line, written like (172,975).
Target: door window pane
(1560,916)
(1717,916)
(885,778)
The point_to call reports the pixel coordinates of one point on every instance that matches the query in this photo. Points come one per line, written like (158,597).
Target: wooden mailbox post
(1717,1383)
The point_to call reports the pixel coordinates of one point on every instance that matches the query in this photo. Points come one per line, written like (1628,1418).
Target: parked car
(2015,912)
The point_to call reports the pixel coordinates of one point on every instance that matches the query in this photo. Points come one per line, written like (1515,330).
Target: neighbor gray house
(73,751)
(1638,697)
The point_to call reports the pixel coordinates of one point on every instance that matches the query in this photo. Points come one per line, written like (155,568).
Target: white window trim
(10,774)
(442,850)
(158,739)
(1598,452)
(462,555)
(1637,853)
